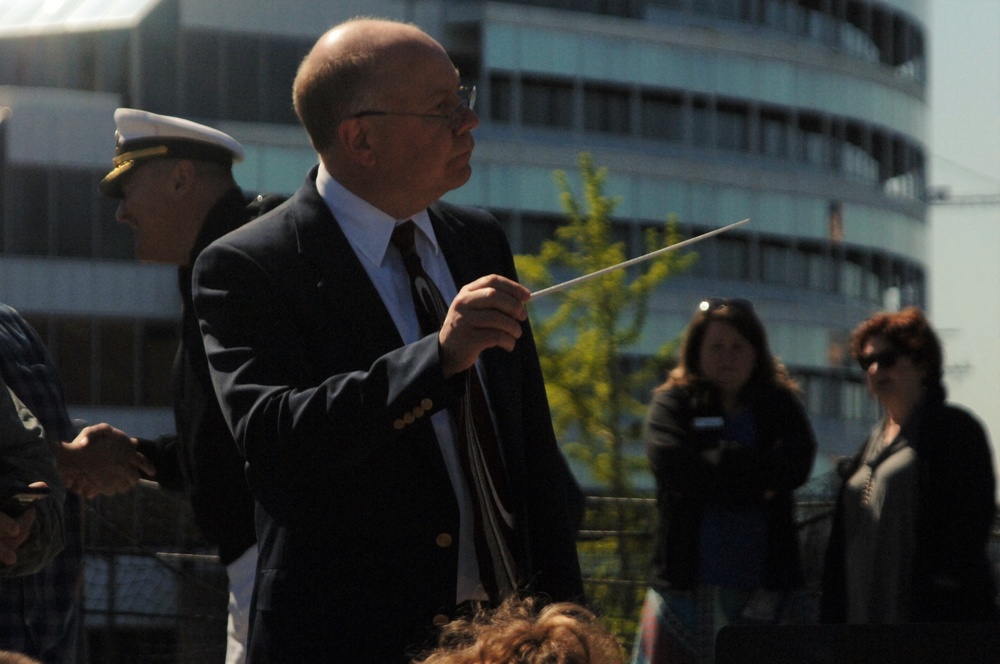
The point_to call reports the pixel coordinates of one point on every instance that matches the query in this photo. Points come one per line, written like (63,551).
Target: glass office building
(807,116)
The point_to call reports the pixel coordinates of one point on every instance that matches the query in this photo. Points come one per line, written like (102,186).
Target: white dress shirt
(369,231)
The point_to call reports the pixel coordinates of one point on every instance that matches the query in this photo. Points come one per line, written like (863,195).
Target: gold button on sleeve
(443,540)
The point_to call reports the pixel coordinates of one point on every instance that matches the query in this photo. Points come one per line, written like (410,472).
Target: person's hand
(486,313)
(713,455)
(102,460)
(13,533)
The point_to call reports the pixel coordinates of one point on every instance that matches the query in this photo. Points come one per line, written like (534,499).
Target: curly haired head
(910,333)
(523,631)
(11,657)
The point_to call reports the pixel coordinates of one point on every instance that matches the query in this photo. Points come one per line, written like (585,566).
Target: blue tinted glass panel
(556,49)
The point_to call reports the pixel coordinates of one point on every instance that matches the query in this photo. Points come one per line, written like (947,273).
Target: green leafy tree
(583,335)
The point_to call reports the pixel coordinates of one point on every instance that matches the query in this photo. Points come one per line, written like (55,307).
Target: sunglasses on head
(714,303)
(886,359)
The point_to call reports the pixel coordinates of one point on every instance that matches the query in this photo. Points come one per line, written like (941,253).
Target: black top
(682,422)
(952,577)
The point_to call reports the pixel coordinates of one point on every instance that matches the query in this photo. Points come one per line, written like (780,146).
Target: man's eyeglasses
(713,303)
(456,118)
(886,359)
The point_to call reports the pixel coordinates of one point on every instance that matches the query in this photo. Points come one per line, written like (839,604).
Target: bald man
(352,411)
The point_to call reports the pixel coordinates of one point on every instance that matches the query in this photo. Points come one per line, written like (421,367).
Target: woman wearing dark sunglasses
(728,441)
(909,538)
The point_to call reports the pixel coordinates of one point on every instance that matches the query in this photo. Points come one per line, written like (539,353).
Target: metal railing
(154,591)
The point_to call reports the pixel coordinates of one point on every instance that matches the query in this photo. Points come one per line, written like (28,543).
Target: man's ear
(355,137)
(182,177)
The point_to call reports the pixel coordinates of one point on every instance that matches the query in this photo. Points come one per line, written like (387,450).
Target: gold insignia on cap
(158,151)
(111,185)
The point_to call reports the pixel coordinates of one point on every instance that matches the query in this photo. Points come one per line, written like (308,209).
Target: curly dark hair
(909,332)
(527,631)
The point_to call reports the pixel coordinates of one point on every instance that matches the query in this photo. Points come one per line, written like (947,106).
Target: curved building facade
(807,116)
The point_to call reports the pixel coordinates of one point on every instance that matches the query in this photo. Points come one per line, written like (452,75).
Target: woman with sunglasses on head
(728,441)
(910,531)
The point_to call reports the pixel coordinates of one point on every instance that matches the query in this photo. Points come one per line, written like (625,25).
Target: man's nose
(120,212)
(468,121)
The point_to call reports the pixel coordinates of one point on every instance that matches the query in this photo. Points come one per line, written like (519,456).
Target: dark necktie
(478,448)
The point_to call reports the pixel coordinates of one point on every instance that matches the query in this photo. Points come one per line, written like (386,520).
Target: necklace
(888,450)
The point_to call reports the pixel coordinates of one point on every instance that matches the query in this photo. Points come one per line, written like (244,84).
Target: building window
(821,393)
(621,233)
(852,282)
(241,81)
(26,216)
(71,347)
(280,64)
(774,268)
(536,229)
(818,273)
(662,116)
(239,77)
(113,61)
(735,10)
(704,264)
(732,127)
(59,212)
(856,402)
(872,293)
(111,362)
(74,203)
(856,160)
(733,256)
(201,77)
(774,135)
(606,110)
(669,4)
(701,123)
(159,346)
(547,103)
(116,363)
(501,98)
(777,14)
(796,267)
(814,147)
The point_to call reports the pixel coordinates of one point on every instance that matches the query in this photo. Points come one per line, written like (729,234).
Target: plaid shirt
(40,613)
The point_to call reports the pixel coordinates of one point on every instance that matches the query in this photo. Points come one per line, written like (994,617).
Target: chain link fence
(154,591)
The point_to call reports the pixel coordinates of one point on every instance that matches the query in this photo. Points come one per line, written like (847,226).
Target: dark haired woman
(728,441)
(914,513)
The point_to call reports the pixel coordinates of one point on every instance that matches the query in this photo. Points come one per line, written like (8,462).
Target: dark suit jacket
(200,457)
(357,520)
